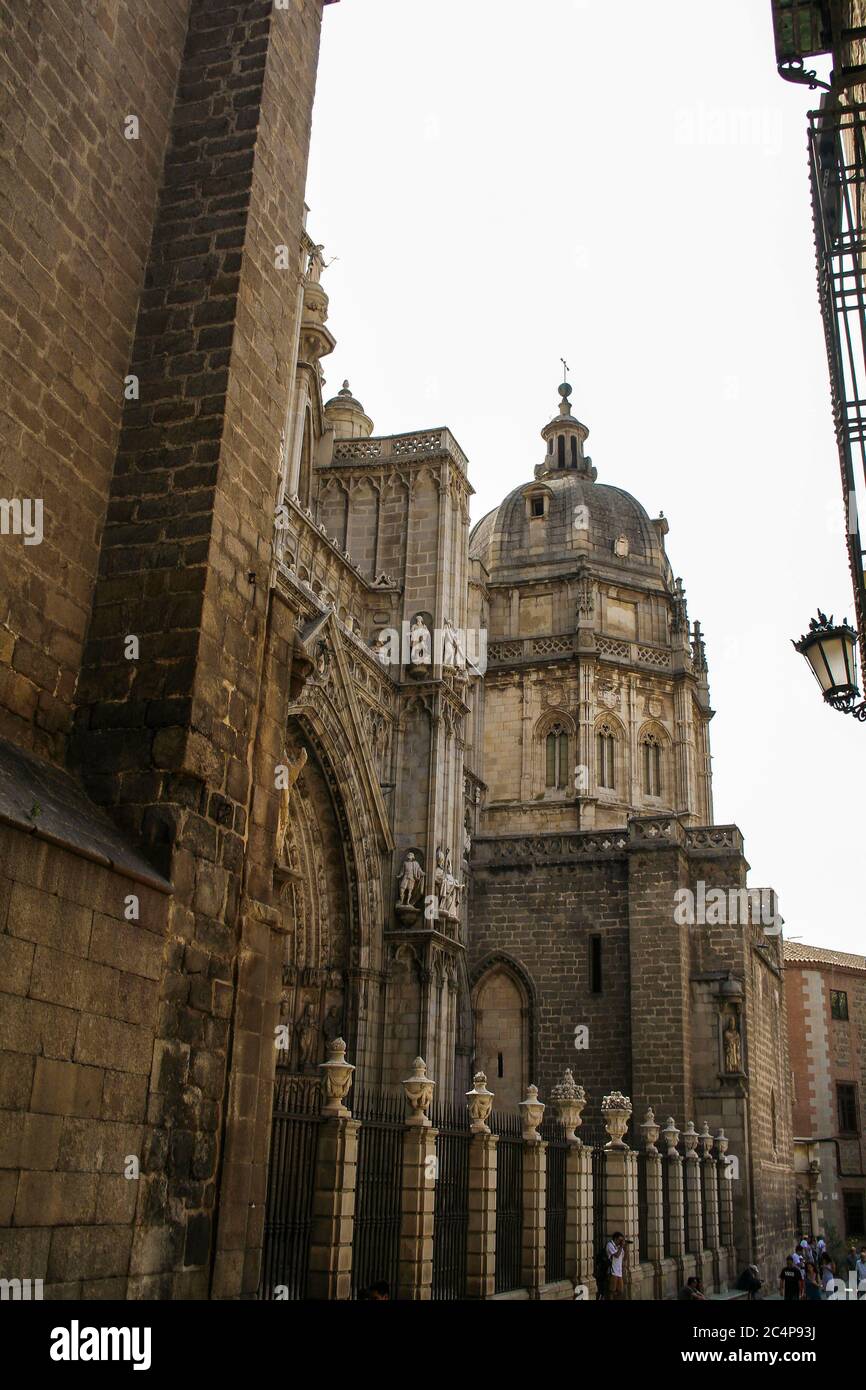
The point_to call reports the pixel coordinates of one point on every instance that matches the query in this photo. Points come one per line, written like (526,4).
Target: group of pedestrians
(810,1272)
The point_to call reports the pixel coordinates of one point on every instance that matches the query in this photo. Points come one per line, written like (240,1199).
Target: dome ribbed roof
(510,537)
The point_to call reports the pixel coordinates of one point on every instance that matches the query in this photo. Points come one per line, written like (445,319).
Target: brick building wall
(828,1052)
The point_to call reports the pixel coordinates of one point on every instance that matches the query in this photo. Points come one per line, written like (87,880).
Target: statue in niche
(306,1032)
(419,642)
(467,834)
(411,879)
(452,653)
(731,1040)
(333,1025)
(449,888)
(323,658)
(294,763)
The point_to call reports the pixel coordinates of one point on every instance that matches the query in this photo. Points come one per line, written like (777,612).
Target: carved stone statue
(333,1024)
(316,264)
(294,762)
(305,1031)
(411,879)
(449,888)
(452,653)
(419,642)
(731,1038)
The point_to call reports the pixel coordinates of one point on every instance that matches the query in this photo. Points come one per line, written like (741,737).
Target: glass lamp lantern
(831,651)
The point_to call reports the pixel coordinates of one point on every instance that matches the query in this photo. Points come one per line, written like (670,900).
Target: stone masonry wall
(166,740)
(79,1001)
(542,916)
(76,210)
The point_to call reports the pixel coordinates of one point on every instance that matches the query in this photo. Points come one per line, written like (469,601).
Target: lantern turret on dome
(346,416)
(565,437)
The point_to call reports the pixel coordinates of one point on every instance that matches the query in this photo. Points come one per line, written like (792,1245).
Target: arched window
(605,756)
(560,451)
(651,761)
(556,753)
(574,451)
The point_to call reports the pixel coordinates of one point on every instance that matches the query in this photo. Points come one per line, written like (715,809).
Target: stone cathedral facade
(288,750)
(534,705)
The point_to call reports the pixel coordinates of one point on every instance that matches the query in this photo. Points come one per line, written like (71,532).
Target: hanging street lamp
(830,649)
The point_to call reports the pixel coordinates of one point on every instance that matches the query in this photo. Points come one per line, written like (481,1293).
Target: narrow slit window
(595,965)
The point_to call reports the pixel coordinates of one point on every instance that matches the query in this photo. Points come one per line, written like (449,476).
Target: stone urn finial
(531,1113)
(568,1099)
(650,1131)
(690,1140)
(336,1079)
(480,1103)
(419,1093)
(706,1140)
(671,1137)
(721,1142)
(616,1112)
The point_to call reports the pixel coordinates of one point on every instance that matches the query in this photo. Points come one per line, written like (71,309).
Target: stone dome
(581,519)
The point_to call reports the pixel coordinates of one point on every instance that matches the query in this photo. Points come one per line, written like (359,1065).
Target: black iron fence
(555,1211)
(378,1194)
(451,1202)
(599,1221)
(642,1206)
(291,1183)
(687,1225)
(509,1201)
(667,1165)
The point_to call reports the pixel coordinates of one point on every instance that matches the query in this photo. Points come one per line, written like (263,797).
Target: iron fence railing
(553,1131)
(837,164)
(379,1185)
(642,1206)
(291,1182)
(451,1201)
(509,1201)
(666,1203)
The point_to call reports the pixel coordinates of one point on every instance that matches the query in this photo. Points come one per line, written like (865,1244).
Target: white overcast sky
(625,185)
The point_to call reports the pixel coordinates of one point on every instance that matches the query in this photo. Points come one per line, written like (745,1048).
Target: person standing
(860,1272)
(790,1281)
(617,1255)
(828,1275)
(812,1284)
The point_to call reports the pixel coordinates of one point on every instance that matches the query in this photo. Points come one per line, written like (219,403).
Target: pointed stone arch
(504,1012)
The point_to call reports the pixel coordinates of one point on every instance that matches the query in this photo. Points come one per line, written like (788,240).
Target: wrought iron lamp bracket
(845,703)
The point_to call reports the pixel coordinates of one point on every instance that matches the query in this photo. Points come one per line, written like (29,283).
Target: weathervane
(564,369)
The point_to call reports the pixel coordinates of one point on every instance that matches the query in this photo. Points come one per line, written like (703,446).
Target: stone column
(415,1277)
(534,1194)
(692,1171)
(481,1230)
(336,1172)
(655,1228)
(676,1203)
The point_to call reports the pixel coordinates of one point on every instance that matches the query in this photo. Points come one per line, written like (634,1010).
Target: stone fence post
(415,1277)
(481,1232)
(692,1169)
(568,1100)
(333,1220)
(676,1196)
(655,1220)
(534,1194)
(620,1175)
